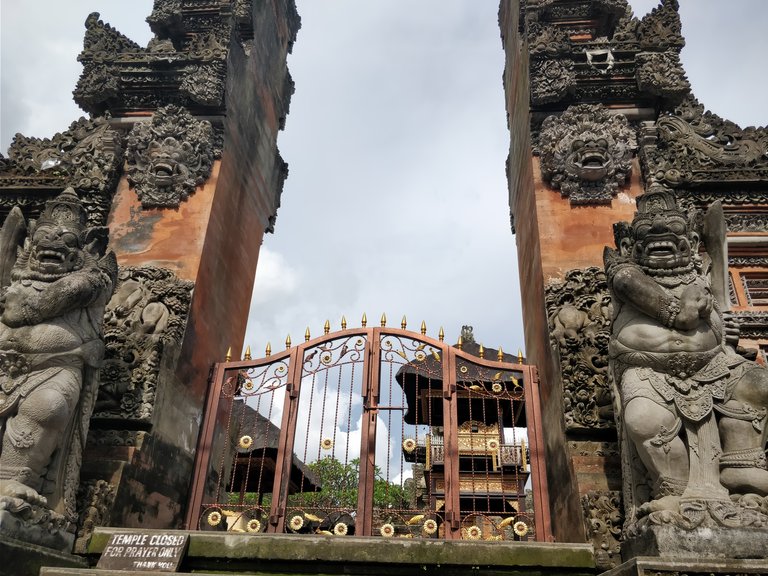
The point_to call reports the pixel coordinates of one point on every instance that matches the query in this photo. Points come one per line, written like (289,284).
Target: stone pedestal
(41,528)
(702,543)
(689,567)
(22,559)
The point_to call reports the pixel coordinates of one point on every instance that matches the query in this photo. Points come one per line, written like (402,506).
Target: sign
(151,552)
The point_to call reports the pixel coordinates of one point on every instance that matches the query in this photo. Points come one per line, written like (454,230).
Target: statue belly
(639,332)
(46,337)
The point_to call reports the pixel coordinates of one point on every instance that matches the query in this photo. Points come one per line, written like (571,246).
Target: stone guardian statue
(51,314)
(691,412)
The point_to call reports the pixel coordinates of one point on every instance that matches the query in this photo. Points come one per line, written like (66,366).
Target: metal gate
(374,432)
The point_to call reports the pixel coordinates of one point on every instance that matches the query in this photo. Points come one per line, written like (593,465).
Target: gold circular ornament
(245,442)
(326,444)
(253,526)
(493,444)
(387,530)
(474,533)
(280,369)
(430,526)
(340,529)
(420,355)
(520,528)
(497,388)
(326,358)
(214,518)
(248,385)
(463,369)
(296,523)
(409,445)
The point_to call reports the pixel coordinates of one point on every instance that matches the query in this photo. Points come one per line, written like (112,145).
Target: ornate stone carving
(143,323)
(586,153)
(579,324)
(604,519)
(102,41)
(185,64)
(551,80)
(204,84)
(51,348)
(101,437)
(95,499)
(547,41)
(691,413)
(661,29)
(691,146)
(661,74)
(169,157)
(87,156)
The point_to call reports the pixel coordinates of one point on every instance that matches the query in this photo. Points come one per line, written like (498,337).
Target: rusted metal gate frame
(371,360)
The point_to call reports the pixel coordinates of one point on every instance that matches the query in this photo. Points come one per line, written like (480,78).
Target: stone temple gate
(646,410)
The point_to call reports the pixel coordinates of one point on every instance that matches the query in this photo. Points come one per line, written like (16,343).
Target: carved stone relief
(604,520)
(144,321)
(95,499)
(183,65)
(87,156)
(579,312)
(551,80)
(169,157)
(586,153)
(689,146)
(662,74)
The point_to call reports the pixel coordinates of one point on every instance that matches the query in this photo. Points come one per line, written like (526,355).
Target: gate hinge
(292,390)
(450,391)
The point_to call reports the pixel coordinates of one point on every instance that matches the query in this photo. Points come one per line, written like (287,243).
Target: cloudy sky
(396,201)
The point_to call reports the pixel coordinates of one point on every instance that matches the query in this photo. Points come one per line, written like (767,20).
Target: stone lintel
(645,566)
(361,555)
(716,543)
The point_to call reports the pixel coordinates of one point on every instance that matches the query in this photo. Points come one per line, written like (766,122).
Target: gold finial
(423,328)
(500,355)
(519,356)
(327,327)
(441,334)
(403,322)
(268,351)
(343,323)
(307,335)
(481,351)
(364,321)
(228,356)
(460,342)
(383,320)
(247,353)
(288,342)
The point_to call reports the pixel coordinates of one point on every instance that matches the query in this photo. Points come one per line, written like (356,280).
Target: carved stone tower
(180,161)
(599,108)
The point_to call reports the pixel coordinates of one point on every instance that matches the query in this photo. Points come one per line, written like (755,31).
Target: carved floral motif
(579,324)
(169,157)
(586,153)
(604,519)
(552,80)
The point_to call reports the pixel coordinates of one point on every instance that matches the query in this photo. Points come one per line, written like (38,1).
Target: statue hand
(695,303)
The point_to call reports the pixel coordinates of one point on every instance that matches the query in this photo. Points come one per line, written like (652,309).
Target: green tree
(338,487)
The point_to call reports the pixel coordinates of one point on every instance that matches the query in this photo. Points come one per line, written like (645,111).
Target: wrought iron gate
(373,431)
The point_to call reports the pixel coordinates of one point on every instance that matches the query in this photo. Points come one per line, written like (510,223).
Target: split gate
(374,432)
